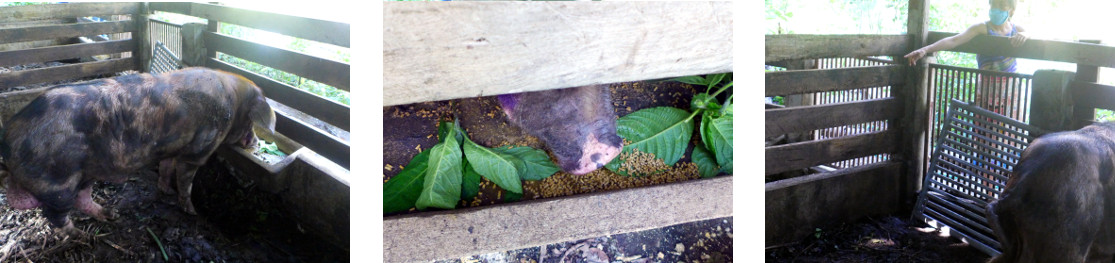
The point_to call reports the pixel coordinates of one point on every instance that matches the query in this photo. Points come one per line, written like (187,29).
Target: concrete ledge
(458,233)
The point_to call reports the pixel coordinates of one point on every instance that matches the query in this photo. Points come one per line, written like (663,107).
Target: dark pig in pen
(57,146)
(577,124)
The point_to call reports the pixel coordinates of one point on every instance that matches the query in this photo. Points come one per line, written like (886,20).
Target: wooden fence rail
(67,32)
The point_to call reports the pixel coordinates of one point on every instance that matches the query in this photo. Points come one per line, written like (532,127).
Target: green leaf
(400,192)
(699,102)
(661,131)
(726,110)
(532,164)
(444,127)
(706,165)
(495,166)
(470,186)
(511,196)
(695,80)
(442,186)
(715,79)
(721,132)
(706,135)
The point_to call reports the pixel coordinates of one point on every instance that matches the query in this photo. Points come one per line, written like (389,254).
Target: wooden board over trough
(438,51)
(458,233)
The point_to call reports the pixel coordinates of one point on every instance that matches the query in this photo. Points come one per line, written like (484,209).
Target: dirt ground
(701,241)
(888,239)
(235,223)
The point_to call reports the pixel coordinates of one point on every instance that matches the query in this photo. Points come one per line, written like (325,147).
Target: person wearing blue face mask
(998,24)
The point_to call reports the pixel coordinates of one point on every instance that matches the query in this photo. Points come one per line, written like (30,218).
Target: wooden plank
(799,46)
(801,155)
(1088,96)
(53,53)
(45,11)
(820,80)
(804,119)
(12,35)
(329,111)
(1063,51)
(142,51)
(171,7)
(317,140)
(796,206)
(916,118)
(457,233)
(71,71)
(490,48)
(329,32)
(328,72)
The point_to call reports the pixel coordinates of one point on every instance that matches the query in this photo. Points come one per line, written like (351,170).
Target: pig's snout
(596,154)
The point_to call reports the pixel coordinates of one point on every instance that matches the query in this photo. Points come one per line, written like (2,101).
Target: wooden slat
(1063,51)
(915,94)
(71,71)
(52,53)
(37,12)
(797,206)
(426,237)
(819,80)
(1088,95)
(490,48)
(329,111)
(328,32)
(322,143)
(795,46)
(801,155)
(12,35)
(322,70)
(808,118)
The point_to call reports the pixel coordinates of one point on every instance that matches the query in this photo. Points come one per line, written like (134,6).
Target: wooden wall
(16,26)
(795,206)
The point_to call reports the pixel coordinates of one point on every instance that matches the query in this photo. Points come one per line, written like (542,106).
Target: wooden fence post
(194,52)
(142,36)
(1084,73)
(914,96)
(1051,104)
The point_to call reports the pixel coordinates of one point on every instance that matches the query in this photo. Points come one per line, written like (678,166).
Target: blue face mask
(998,16)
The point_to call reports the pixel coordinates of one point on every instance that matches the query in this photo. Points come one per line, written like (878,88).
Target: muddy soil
(410,129)
(235,223)
(701,241)
(889,239)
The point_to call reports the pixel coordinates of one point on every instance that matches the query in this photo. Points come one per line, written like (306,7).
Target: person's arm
(946,43)
(1018,37)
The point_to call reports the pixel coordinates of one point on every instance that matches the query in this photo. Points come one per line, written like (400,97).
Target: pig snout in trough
(1059,204)
(104,130)
(578,124)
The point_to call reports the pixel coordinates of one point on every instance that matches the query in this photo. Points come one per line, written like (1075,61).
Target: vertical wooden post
(1051,103)
(1085,73)
(914,97)
(210,50)
(142,52)
(194,52)
(800,99)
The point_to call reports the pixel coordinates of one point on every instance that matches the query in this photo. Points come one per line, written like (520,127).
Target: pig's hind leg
(185,175)
(166,175)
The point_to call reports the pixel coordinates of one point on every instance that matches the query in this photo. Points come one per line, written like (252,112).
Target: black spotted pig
(577,124)
(1059,204)
(72,135)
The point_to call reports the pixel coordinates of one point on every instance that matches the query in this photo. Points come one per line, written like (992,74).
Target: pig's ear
(262,115)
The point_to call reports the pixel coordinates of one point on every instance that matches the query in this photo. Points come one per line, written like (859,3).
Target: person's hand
(1017,40)
(914,56)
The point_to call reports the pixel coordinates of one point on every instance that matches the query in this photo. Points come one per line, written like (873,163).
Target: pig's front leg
(86,205)
(166,175)
(185,176)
